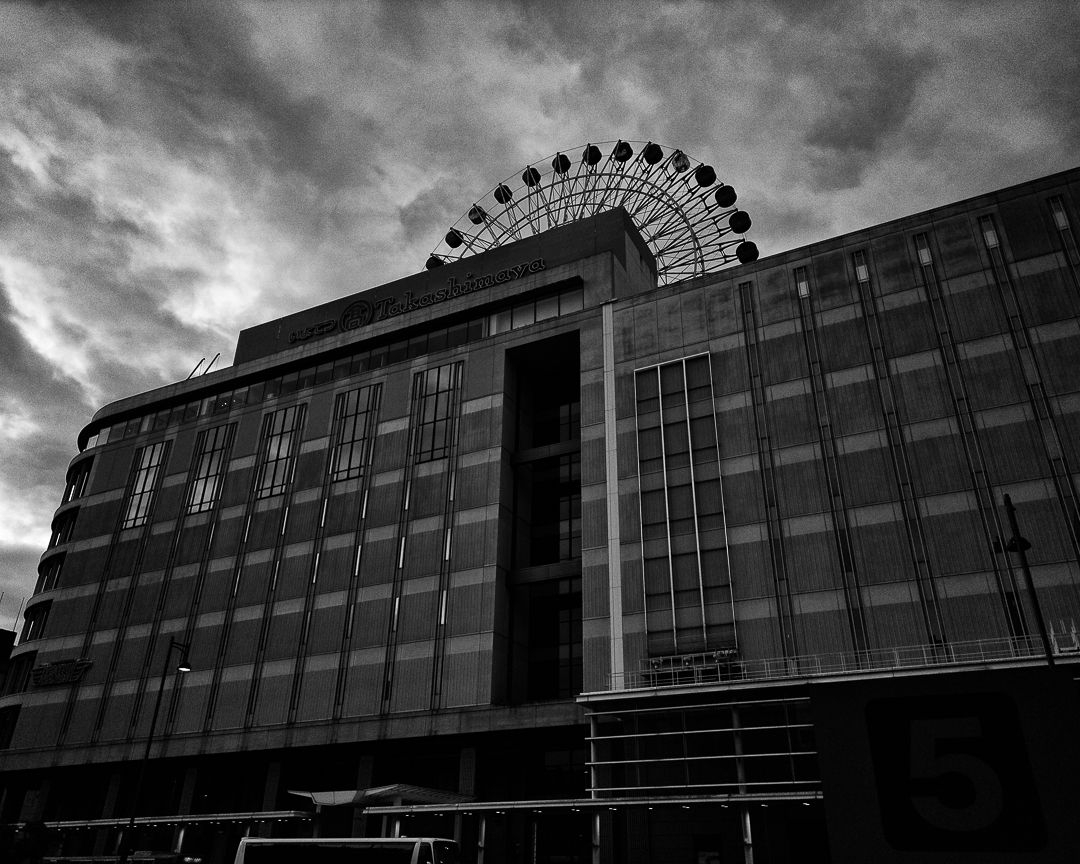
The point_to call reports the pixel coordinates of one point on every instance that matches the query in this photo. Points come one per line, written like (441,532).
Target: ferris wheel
(684,212)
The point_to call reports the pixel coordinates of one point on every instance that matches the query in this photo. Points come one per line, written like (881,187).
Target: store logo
(60,672)
(356,314)
(313,330)
(360,313)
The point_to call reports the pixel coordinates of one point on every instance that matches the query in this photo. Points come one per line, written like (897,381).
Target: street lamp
(1020,545)
(182,666)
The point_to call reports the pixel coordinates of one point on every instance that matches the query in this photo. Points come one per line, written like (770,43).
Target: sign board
(980,766)
(60,672)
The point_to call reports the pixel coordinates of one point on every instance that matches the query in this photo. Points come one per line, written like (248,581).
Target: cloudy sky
(173,172)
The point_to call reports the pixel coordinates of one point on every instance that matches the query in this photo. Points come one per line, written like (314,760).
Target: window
(280,429)
(433,399)
(862,272)
(36,617)
(801,282)
(989,232)
(76,485)
(355,418)
(49,574)
(1061,218)
(148,462)
(211,453)
(18,676)
(922,246)
(63,528)
(553,487)
(9,716)
(688,603)
(555,639)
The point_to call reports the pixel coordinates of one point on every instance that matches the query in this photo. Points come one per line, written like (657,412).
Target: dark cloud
(430,214)
(193,79)
(871,100)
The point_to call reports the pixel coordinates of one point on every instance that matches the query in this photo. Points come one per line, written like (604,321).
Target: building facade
(528,551)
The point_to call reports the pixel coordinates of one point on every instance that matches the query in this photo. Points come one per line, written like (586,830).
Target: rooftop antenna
(196,369)
(211,363)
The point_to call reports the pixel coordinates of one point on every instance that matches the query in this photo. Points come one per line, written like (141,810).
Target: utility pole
(1020,546)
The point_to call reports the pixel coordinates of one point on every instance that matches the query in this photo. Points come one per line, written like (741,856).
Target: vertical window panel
(681,507)
(435,392)
(148,462)
(211,456)
(76,485)
(280,431)
(355,413)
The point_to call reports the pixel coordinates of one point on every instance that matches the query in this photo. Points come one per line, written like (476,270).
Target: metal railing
(710,668)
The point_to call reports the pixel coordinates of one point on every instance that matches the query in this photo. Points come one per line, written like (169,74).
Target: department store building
(528,551)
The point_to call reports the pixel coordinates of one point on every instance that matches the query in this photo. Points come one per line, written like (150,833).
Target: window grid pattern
(212,454)
(355,418)
(688,602)
(434,397)
(280,429)
(148,461)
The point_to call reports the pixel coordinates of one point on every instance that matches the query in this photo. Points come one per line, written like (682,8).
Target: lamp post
(1020,545)
(182,666)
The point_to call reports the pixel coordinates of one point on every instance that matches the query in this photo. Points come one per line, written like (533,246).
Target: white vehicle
(348,850)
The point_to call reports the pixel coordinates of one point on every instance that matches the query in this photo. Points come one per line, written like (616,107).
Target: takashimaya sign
(60,672)
(360,313)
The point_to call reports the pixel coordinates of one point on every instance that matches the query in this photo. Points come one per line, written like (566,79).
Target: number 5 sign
(955,766)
